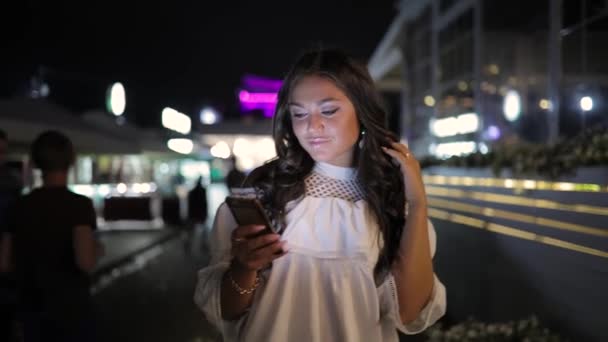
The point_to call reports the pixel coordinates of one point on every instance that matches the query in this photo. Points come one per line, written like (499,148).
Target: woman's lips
(315,142)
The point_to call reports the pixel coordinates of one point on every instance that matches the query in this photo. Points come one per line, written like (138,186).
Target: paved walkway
(151,297)
(120,245)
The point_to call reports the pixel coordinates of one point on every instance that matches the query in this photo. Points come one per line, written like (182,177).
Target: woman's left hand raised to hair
(412,176)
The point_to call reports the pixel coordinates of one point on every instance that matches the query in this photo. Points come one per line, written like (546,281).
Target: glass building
(475,73)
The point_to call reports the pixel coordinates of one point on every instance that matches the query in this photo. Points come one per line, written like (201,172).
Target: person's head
(329,110)
(52,152)
(3,146)
(327,104)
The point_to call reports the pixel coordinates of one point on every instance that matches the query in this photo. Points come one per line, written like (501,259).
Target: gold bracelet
(240,290)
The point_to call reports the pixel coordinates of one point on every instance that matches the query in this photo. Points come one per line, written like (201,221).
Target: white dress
(323,289)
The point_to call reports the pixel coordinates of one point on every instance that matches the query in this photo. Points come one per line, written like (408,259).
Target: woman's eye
(329,111)
(298,115)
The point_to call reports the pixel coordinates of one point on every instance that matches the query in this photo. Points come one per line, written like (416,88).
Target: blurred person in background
(350,258)
(197,214)
(197,203)
(52,233)
(235,177)
(10,189)
(10,182)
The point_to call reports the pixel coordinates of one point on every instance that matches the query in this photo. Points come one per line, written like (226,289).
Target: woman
(353,260)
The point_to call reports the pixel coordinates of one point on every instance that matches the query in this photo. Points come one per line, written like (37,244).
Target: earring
(362,140)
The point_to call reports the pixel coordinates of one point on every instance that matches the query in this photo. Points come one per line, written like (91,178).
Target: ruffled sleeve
(208,288)
(434,309)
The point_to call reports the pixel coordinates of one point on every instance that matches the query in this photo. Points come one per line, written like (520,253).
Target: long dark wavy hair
(282,179)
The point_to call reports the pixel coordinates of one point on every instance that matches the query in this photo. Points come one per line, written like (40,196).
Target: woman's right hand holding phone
(252,251)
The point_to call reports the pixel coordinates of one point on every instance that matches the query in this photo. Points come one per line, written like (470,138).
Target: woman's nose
(316,122)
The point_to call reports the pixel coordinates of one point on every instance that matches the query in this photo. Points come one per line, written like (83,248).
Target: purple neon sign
(248,97)
(259,93)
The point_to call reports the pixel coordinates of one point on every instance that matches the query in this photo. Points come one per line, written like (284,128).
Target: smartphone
(249,211)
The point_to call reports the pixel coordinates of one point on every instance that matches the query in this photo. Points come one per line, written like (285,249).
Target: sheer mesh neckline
(341,183)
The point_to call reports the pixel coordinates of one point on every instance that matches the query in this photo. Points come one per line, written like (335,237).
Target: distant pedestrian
(10,189)
(10,182)
(195,239)
(52,232)
(235,177)
(197,203)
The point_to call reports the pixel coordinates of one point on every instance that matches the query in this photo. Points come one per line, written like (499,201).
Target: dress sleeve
(434,309)
(209,284)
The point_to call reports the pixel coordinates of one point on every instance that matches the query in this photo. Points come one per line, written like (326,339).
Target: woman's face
(324,121)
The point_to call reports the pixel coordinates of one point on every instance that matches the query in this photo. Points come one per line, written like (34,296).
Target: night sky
(183,54)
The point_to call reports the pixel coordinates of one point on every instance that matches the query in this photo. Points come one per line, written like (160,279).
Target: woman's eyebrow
(327,99)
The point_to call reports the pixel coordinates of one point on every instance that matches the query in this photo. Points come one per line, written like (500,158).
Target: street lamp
(209,116)
(512,105)
(181,145)
(116,100)
(586,103)
(176,121)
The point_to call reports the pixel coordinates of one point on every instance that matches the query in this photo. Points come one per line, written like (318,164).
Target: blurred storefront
(132,173)
(127,171)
